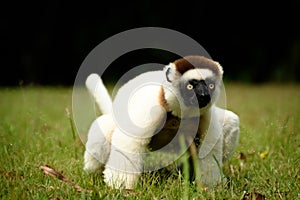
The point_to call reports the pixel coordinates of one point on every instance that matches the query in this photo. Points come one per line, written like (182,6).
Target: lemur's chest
(169,134)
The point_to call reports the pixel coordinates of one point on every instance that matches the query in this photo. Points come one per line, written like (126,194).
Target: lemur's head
(197,79)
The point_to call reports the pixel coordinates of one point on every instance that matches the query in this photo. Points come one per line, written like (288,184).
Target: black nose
(203,99)
(202,94)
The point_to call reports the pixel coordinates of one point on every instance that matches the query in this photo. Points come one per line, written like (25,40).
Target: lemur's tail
(99,92)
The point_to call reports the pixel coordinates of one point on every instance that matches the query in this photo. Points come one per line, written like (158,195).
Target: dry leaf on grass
(54,173)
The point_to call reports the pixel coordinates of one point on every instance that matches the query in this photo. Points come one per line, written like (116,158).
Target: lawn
(36,130)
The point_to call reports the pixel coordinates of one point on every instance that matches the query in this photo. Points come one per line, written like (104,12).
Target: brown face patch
(192,62)
(161,98)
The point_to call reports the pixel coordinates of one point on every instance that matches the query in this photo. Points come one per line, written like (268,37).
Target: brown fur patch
(161,98)
(173,127)
(192,62)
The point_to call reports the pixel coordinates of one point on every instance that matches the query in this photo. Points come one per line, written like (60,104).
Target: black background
(45,43)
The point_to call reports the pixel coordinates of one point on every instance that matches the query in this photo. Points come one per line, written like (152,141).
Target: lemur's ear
(171,72)
(220,68)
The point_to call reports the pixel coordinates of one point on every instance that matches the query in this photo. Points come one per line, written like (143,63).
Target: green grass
(35,130)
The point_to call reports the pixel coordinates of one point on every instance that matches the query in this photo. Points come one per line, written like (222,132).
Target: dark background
(45,43)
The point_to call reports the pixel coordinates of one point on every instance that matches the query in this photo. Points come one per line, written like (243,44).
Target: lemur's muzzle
(202,94)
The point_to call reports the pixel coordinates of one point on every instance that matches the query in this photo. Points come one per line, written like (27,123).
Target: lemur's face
(198,80)
(197,91)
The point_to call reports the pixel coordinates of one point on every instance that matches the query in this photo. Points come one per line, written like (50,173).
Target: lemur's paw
(118,179)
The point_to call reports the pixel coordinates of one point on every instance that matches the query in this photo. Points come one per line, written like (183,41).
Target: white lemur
(139,120)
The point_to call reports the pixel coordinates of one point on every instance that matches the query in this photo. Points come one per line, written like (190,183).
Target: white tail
(99,92)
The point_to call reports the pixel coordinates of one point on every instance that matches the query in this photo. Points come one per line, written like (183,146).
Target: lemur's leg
(210,150)
(231,131)
(98,144)
(126,160)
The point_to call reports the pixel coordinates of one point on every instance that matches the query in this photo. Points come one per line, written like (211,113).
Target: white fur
(231,129)
(98,144)
(130,138)
(199,74)
(99,93)
(173,73)
(220,68)
(117,141)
